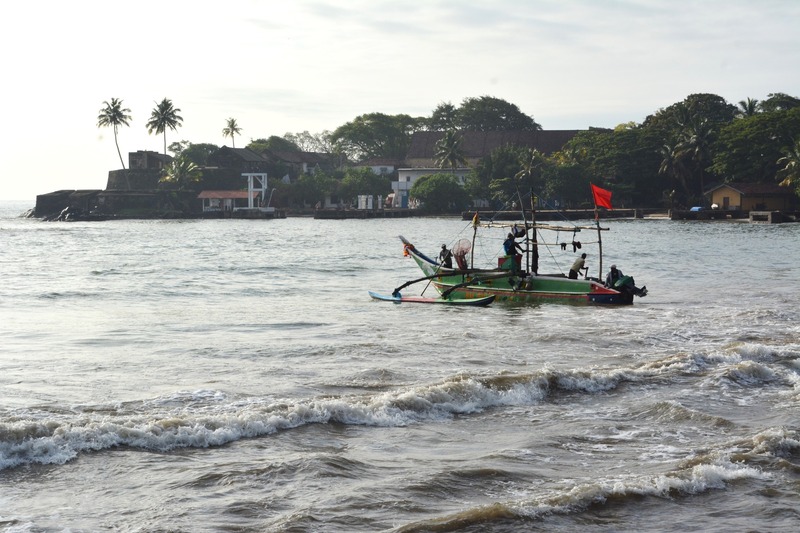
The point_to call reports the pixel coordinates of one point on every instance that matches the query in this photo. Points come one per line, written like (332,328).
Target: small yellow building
(752,197)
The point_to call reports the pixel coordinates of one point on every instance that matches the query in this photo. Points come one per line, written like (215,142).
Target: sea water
(234,375)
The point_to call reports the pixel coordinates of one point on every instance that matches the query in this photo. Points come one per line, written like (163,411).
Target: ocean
(234,375)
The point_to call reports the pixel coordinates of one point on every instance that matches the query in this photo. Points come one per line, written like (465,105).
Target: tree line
(668,160)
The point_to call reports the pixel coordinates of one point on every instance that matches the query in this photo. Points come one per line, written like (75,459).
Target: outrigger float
(510,281)
(449,300)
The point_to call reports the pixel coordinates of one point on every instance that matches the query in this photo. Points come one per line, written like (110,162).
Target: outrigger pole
(534,245)
(475,222)
(599,242)
(531,245)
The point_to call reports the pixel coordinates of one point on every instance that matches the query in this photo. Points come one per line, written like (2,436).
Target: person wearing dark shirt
(510,245)
(446,257)
(613,275)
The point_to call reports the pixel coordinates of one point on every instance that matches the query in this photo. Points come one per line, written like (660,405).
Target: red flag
(602,197)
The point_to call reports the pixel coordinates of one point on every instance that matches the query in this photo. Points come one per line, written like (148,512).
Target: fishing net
(460,250)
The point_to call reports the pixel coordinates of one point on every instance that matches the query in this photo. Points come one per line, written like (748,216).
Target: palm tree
(113,114)
(695,146)
(531,162)
(231,129)
(749,107)
(674,167)
(164,117)
(448,151)
(790,173)
(181,172)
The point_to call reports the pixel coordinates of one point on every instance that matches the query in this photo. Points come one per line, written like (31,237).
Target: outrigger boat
(510,282)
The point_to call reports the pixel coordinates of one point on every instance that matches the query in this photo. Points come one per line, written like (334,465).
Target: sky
(281,66)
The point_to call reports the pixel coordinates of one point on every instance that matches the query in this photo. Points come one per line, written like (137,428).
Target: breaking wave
(714,472)
(209,418)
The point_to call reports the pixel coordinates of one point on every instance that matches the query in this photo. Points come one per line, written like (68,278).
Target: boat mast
(533,246)
(599,242)
(475,222)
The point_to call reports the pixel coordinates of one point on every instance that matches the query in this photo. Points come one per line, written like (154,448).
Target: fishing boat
(513,281)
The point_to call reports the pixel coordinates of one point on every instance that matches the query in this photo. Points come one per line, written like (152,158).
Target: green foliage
(312,142)
(696,107)
(440,193)
(449,153)
(196,153)
(625,159)
(531,167)
(181,174)
(779,102)
(748,149)
(273,144)
(363,181)
(487,113)
(199,153)
(444,118)
(789,173)
(493,176)
(376,135)
(567,184)
(312,188)
(749,107)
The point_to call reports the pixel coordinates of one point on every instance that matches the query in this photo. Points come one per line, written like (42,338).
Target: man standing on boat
(446,257)
(510,246)
(513,251)
(577,266)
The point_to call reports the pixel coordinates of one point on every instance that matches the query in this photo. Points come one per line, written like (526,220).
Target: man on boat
(446,257)
(613,276)
(577,266)
(514,251)
(628,284)
(511,246)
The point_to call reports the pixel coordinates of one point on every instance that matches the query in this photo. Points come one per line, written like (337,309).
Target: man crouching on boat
(619,281)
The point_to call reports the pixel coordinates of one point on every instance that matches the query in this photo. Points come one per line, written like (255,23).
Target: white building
(406,177)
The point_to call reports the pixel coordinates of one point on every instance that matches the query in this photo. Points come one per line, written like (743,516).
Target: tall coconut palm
(695,146)
(164,117)
(674,167)
(448,151)
(114,115)
(790,173)
(231,129)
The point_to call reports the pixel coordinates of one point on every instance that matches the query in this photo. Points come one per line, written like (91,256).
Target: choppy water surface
(235,376)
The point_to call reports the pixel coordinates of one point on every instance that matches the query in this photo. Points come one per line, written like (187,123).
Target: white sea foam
(697,479)
(207,418)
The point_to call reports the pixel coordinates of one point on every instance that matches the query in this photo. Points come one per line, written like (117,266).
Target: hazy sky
(294,65)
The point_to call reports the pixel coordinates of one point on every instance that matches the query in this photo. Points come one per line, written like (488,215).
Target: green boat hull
(510,286)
